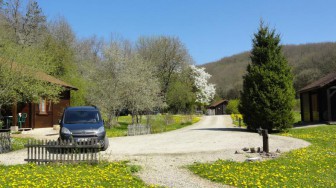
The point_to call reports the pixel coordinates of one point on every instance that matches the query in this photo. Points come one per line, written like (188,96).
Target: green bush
(232,107)
(297,105)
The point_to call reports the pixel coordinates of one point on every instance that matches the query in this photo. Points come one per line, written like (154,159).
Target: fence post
(28,148)
(44,151)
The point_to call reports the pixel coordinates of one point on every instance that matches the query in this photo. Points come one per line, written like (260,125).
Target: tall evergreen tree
(268,94)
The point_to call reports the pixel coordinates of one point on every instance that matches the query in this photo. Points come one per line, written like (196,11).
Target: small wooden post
(264,134)
(45,149)
(28,149)
(38,151)
(240,122)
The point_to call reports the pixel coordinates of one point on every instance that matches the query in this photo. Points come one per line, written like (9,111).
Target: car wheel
(106,144)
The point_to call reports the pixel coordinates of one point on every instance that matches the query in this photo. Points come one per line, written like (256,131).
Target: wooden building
(45,113)
(218,107)
(318,100)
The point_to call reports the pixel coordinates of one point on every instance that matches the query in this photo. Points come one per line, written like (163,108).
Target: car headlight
(65,130)
(101,130)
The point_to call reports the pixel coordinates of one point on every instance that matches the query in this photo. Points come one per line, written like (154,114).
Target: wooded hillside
(308,61)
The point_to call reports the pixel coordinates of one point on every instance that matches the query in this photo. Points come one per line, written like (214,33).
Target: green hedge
(232,107)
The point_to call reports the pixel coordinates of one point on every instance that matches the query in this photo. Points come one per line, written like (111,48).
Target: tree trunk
(110,121)
(1,116)
(132,117)
(147,119)
(117,116)
(14,114)
(264,133)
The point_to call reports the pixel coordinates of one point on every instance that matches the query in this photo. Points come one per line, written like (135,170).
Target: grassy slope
(309,62)
(314,166)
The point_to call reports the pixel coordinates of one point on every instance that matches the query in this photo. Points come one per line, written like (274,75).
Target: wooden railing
(47,151)
(5,142)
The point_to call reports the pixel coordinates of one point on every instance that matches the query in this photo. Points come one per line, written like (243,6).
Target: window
(78,117)
(43,106)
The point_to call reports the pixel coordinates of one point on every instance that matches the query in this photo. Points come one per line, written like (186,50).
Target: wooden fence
(138,130)
(5,142)
(46,151)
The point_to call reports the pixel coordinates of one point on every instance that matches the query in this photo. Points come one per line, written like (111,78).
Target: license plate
(82,139)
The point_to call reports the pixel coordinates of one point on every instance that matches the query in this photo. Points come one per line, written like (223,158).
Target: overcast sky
(210,29)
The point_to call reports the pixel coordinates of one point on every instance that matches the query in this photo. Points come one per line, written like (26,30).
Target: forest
(309,62)
(154,73)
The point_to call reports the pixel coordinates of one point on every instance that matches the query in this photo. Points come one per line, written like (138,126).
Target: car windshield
(74,117)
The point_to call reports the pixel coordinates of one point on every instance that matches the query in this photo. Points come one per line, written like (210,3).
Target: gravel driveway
(163,157)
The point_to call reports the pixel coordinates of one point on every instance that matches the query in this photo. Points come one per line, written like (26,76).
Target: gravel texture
(41,133)
(164,157)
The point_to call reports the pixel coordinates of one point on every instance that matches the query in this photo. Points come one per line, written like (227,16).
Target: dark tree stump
(264,134)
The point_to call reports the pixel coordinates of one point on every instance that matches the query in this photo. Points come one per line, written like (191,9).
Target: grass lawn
(18,143)
(158,123)
(297,116)
(237,119)
(116,174)
(314,166)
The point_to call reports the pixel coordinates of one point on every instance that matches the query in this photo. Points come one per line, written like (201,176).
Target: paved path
(164,156)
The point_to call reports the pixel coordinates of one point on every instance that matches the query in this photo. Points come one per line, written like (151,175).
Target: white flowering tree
(205,90)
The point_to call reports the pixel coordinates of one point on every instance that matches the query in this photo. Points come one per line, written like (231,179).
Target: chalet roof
(319,83)
(217,103)
(45,77)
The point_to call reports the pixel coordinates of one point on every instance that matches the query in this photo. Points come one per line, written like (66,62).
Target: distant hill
(308,61)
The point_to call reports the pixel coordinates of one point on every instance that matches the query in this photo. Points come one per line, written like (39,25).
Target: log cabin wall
(42,120)
(314,105)
(220,109)
(318,100)
(59,107)
(53,112)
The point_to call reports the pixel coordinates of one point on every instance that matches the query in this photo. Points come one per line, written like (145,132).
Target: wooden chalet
(318,100)
(218,107)
(45,113)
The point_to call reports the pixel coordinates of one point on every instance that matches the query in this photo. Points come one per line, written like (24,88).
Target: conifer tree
(268,94)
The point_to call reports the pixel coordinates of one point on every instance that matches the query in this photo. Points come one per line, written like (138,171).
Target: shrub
(232,107)
(267,98)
